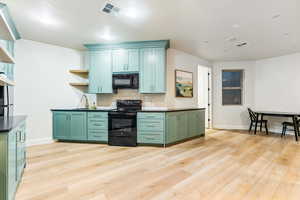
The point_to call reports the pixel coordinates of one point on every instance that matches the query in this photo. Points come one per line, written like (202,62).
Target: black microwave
(125,81)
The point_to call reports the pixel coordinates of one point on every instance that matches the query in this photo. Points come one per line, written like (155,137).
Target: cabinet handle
(150,138)
(97,124)
(151,126)
(19,136)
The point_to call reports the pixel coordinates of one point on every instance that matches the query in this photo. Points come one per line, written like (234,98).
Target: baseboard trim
(230,127)
(39,141)
(275,129)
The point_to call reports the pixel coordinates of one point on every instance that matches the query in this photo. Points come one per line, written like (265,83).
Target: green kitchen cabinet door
(192,123)
(94,72)
(61,125)
(100,74)
(125,60)
(119,60)
(105,75)
(12,164)
(133,60)
(78,129)
(171,128)
(183,129)
(152,70)
(20,155)
(201,122)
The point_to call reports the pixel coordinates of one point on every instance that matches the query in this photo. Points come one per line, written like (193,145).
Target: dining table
(293,115)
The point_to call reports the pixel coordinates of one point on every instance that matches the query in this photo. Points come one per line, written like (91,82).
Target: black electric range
(122,130)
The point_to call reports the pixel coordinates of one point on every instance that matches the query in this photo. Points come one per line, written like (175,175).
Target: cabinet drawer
(97,136)
(155,125)
(99,120)
(151,116)
(97,115)
(96,125)
(151,138)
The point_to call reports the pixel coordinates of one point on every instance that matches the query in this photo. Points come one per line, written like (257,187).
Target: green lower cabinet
(169,127)
(98,127)
(69,125)
(151,128)
(61,125)
(80,126)
(12,161)
(12,164)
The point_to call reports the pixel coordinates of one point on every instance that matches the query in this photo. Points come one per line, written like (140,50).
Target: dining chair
(285,126)
(253,119)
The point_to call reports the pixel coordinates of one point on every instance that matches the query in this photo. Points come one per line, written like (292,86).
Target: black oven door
(122,130)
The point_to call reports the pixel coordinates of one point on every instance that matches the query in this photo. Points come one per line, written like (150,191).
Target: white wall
(270,84)
(233,117)
(183,61)
(42,83)
(277,86)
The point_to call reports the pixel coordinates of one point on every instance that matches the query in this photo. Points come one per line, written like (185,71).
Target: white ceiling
(198,27)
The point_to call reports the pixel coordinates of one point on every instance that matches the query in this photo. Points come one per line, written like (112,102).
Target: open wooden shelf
(79,84)
(5,56)
(79,71)
(6,81)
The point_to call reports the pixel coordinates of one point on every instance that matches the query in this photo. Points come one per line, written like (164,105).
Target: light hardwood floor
(225,165)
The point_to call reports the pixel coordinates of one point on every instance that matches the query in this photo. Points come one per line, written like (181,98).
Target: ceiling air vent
(110,8)
(241,44)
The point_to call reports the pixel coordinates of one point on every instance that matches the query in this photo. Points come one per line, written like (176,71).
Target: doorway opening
(205,93)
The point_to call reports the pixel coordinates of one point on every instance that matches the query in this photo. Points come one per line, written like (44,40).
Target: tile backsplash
(157,100)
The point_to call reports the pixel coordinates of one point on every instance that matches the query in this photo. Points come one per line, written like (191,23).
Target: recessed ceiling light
(236,26)
(206,41)
(286,34)
(276,16)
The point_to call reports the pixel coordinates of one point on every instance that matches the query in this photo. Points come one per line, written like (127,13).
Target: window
(232,87)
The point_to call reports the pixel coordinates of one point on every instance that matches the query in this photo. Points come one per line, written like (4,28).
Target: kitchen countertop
(143,110)
(9,123)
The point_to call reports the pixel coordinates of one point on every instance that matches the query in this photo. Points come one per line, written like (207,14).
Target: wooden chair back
(252,115)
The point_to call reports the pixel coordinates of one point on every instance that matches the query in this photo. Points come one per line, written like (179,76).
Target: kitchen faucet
(87,105)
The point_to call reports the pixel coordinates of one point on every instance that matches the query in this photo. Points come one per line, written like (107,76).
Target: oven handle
(123,115)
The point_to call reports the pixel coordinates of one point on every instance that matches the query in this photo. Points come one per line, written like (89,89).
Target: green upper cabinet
(100,75)
(146,57)
(133,60)
(120,60)
(153,70)
(8,30)
(125,60)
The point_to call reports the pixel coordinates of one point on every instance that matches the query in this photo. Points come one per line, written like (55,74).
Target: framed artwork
(183,84)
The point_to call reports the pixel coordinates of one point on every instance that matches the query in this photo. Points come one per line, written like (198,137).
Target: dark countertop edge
(9,123)
(169,110)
